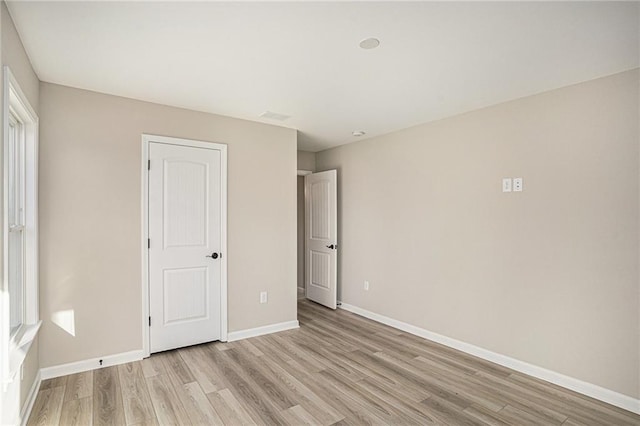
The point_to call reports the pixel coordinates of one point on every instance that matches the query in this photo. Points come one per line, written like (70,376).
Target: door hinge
(148,164)
(148,243)
(149,321)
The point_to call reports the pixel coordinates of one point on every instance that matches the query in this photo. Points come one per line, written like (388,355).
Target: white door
(321,237)
(184,245)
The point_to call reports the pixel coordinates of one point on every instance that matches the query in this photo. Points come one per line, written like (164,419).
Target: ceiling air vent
(274,116)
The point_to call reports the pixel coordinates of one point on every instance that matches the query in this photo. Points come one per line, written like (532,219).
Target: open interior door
(321,237)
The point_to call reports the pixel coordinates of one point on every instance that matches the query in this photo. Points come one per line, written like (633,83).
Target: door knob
(213,255)
(332,246)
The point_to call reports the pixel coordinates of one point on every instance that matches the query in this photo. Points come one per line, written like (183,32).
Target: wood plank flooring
(338,368)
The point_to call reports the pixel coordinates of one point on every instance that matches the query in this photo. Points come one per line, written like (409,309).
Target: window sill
(20,348)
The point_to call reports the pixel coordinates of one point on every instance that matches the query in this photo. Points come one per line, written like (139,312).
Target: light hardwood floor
(338,368)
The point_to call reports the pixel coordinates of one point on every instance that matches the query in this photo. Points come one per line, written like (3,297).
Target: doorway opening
(318,249)
(300,230)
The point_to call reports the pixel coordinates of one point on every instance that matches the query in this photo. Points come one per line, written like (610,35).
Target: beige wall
(307,161)
(14,55)
(548,276)
(90,207)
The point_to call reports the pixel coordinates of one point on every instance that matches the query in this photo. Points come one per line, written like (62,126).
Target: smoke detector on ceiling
(274,116)
(358,133)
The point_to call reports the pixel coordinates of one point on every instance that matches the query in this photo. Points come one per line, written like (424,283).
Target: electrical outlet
(506,185)
(263,297)
(366,285)
(517,184)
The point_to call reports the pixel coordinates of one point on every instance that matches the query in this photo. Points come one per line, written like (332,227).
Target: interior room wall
(14,55)
(307,161)
(90,205)
(549,275)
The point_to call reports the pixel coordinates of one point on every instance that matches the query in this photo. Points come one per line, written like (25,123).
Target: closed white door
(184,245)
(321,237)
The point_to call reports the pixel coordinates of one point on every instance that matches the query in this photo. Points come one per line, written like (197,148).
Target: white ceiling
(302,59)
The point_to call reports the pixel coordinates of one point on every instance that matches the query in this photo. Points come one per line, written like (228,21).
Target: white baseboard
(90,364)
(585,388)
(31,399)
(259,331)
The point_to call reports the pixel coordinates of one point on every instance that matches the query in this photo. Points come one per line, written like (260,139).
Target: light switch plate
(506,185)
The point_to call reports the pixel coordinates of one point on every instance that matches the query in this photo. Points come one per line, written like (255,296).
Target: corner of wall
(307,161)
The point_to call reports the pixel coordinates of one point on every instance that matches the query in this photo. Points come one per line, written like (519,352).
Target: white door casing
(321,237)
(186,242)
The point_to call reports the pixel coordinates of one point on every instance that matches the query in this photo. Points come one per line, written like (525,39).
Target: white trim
(260,331)
(224,298)
(304,172)
(31,399)
(11,355)
(20,348)
(585,388)
(90,364)
(146,139)
(24,102)
(145,249)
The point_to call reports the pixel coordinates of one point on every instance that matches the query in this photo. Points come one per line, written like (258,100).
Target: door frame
(146,140)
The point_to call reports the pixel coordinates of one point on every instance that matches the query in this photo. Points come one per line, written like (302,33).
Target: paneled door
(321,237)
(185,255)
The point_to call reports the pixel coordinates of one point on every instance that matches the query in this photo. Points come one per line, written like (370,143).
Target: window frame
(15,346)
(16,142)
